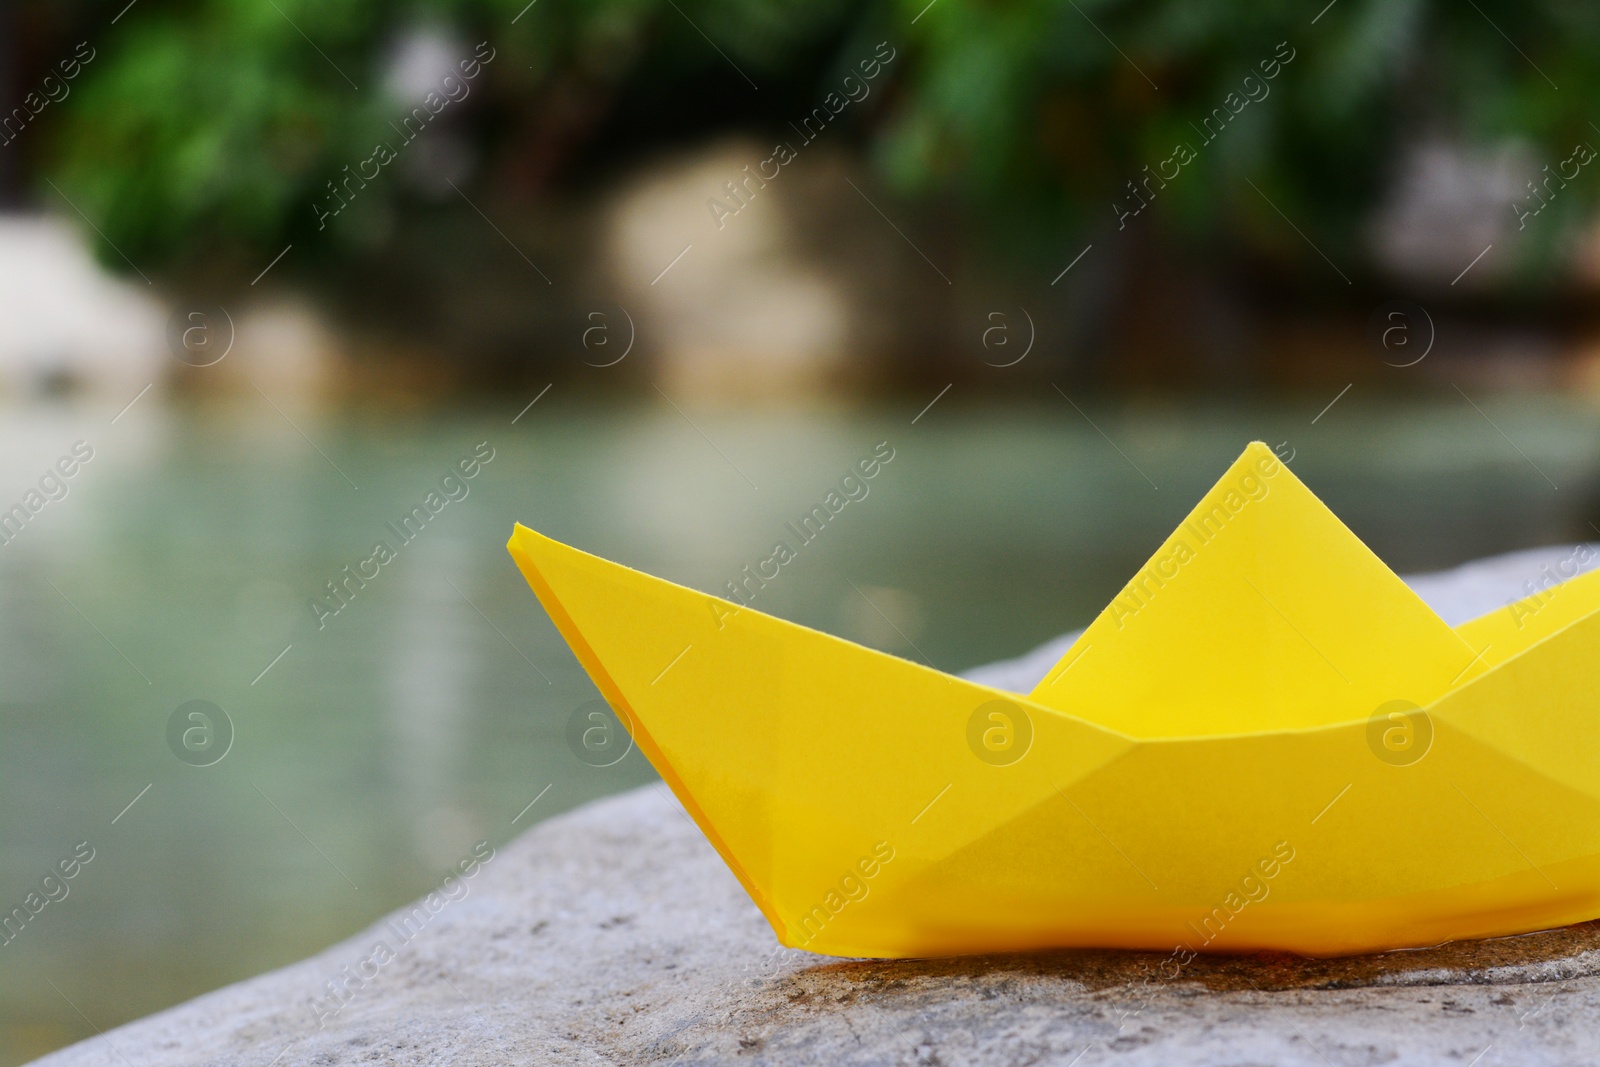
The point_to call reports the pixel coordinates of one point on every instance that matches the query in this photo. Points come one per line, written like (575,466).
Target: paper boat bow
(1266,741)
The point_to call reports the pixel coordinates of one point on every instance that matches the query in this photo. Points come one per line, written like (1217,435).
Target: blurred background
(270,269)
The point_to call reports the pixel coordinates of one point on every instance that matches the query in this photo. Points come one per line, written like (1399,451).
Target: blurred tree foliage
(207,126)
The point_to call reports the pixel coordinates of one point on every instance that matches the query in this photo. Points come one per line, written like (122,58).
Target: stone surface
(615,935)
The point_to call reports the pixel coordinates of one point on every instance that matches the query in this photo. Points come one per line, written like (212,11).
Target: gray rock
(615,935)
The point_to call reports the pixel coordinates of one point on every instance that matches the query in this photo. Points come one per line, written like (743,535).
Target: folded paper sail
(1266,741)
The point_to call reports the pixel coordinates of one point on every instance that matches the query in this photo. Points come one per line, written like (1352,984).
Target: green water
(430,710)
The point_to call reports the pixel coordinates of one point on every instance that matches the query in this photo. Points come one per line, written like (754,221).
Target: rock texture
(615,935)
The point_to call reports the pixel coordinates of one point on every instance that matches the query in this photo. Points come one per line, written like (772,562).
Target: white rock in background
(64,320)
(281,345)
(718,284)
(421,60)
(1447,203)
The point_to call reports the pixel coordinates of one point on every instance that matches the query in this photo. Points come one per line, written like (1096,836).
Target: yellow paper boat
(1266,741)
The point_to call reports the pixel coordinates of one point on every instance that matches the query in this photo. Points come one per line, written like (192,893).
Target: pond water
(373,747)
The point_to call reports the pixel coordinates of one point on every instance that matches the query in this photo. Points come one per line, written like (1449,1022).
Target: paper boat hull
(856,798)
